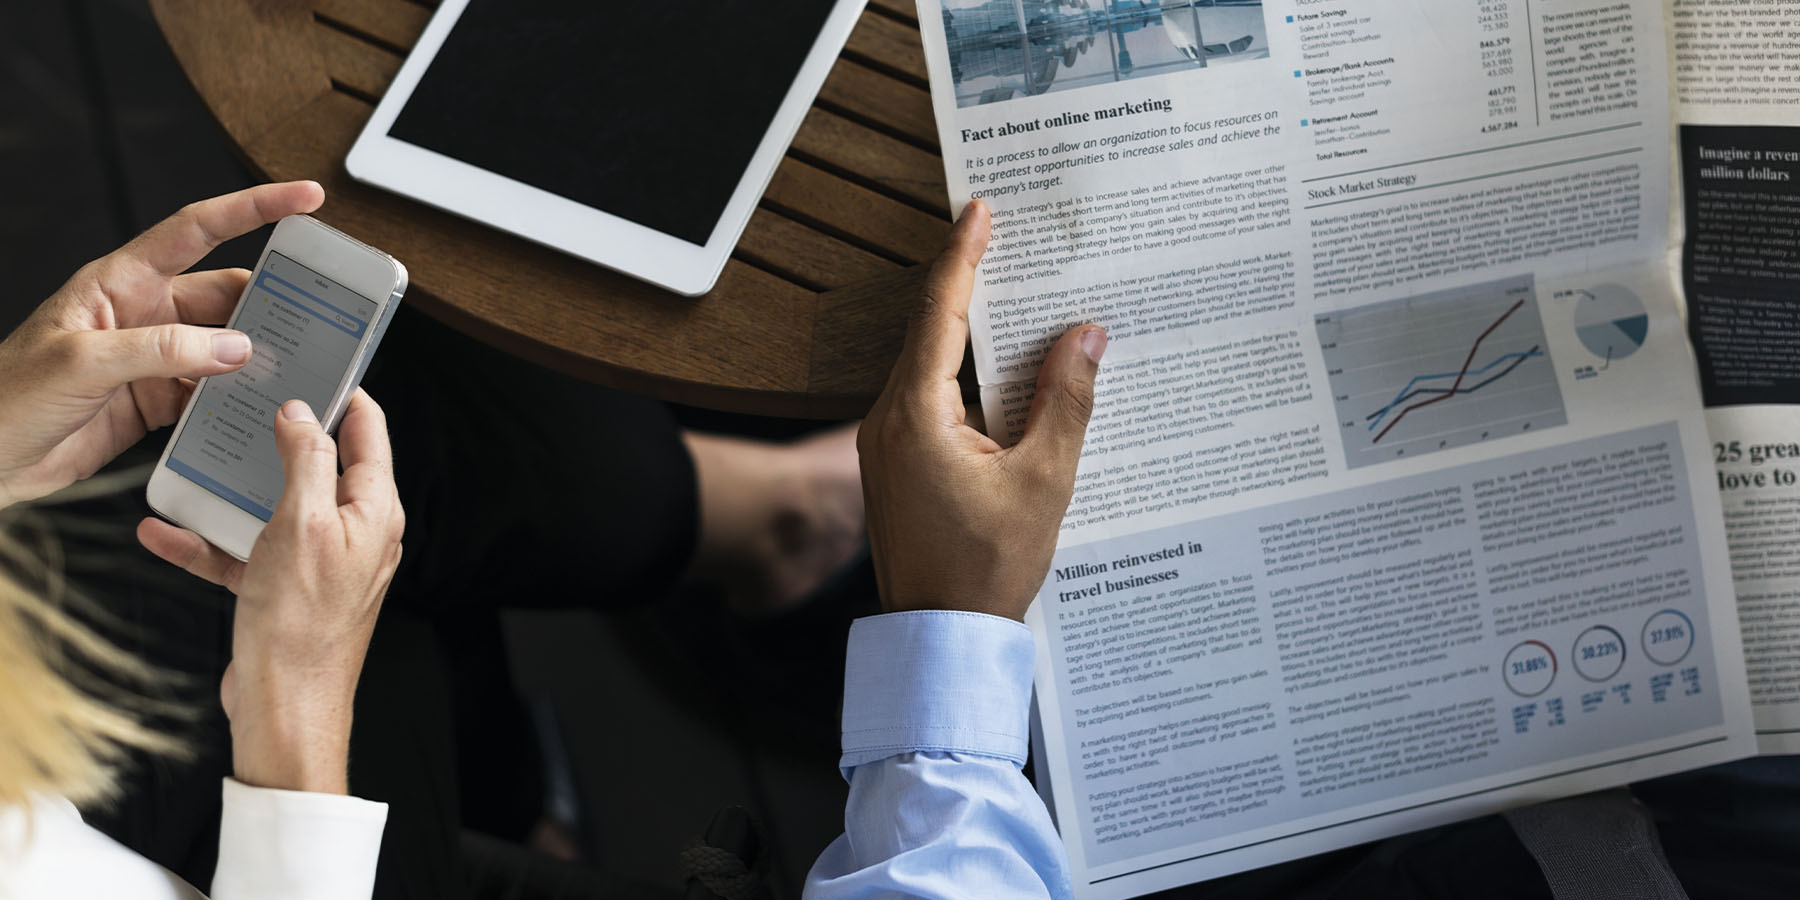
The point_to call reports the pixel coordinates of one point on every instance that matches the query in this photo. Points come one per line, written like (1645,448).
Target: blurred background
(666,714)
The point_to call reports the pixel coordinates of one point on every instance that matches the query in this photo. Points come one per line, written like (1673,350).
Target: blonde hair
(69,720)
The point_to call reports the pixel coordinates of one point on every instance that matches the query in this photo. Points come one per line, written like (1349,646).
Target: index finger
(309,461)
(367,455)
(175,244)
(940,328)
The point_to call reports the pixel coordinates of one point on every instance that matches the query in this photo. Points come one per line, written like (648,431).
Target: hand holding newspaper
(1399,504)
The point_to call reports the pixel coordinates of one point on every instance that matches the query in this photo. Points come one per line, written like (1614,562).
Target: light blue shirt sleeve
(937,712)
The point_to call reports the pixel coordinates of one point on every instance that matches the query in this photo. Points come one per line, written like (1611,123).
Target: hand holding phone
(307,600)
(315,308)
(101,362)
(111,356)
(252,471)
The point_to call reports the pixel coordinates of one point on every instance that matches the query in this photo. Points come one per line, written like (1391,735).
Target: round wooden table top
(808,315)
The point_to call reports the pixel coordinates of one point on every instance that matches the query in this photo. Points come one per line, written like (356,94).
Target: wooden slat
(252,62)
(356,63)
(858,333)
(890,44)
(395,22)
(896,104)
(815,194)
(905,9)
(899,168)
(777,242)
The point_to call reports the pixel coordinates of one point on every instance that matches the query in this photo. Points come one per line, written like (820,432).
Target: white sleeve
(288,845)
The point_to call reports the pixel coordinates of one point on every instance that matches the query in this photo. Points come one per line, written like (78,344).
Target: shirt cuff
(289,845)
(937,681)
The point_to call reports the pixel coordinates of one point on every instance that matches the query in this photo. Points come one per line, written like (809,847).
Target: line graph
(1439,370)
(1409,392)
(1460,375)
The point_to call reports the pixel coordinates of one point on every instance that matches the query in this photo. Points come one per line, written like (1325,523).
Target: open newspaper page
(1737,87)
(1398,504)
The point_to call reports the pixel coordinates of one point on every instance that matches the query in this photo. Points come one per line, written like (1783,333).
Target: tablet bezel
(568,225)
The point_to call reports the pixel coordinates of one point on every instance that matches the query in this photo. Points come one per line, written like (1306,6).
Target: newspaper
(1399,504)
(1735,71)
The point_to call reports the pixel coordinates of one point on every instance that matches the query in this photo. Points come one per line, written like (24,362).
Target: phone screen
(306,329)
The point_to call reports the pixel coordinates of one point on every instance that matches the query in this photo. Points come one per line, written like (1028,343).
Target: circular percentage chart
(1668,637)
(1611,322)
(1529,669)
(1599,653)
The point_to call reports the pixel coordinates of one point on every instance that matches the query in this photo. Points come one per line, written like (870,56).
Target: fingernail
(231,348)
(1093,343)
(298,411)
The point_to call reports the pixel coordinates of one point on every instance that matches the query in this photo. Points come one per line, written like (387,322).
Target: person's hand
(103,361)
(307,600)
(955,521)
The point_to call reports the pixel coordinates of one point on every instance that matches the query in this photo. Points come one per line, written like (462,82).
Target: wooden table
(809,313)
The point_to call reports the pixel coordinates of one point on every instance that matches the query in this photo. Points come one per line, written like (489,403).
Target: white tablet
(637,135)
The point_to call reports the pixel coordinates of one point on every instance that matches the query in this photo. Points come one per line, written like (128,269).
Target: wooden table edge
(823,404)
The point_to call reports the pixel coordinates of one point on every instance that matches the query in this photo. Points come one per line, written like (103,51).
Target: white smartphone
(316,308)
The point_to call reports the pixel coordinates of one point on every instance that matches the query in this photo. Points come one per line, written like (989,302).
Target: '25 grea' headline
(1737,452)
(1073,117)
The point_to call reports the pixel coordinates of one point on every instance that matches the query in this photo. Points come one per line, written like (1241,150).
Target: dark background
(101,136)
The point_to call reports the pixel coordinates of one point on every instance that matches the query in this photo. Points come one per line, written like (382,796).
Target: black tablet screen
(649,109)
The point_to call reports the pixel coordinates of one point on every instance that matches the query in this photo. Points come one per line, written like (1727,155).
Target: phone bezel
(339,257)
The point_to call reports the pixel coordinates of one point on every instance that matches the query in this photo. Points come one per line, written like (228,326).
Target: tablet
(636,135)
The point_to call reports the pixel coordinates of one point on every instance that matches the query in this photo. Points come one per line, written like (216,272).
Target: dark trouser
(523,488)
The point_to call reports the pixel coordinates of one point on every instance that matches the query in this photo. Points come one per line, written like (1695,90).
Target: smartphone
(316,308)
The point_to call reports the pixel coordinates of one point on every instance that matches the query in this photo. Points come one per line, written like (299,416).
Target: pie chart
(1611,322)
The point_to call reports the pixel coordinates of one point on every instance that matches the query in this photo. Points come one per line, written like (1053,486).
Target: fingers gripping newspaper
(1398,504)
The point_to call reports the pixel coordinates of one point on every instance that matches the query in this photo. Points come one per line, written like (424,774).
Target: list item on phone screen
(306,329)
